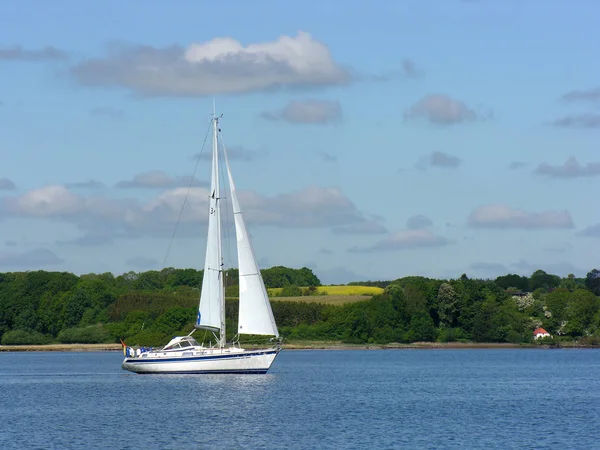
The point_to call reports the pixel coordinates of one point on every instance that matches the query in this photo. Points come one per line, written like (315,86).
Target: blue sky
(368,142)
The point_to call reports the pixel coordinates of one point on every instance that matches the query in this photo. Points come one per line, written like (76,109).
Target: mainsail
(211,308)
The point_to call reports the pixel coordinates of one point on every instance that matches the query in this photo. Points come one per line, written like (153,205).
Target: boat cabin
(181,342)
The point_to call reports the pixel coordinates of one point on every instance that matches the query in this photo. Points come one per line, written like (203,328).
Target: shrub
(152,338)
(451,334)
(291,291)
(547,340)
(589,340)
(24,337)
(93,334)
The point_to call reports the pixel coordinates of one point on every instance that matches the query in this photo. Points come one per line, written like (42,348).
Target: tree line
(42,307)
(148,308)
(464,309)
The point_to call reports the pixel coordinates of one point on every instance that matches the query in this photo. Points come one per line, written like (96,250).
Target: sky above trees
(400,138)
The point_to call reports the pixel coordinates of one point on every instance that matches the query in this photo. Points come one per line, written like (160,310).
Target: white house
(540,333)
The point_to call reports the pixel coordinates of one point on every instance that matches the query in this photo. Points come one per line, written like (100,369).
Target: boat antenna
(214,114)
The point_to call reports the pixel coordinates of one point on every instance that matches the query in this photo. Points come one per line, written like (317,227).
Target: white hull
(203,360)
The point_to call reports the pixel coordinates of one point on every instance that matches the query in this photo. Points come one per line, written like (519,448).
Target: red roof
(539,331)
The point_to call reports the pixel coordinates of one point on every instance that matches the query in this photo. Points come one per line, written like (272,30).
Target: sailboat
(183,354)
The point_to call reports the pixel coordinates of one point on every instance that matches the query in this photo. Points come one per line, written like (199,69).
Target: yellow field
(325,299)
(338,290)
(350,290)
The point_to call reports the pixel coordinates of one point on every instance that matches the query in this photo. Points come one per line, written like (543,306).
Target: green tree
(447,305)
(556,304)
(398,299)
(513,280)
(306,277)
(592,281)
(75,306)
(422,328)
(582,307)
(542,280)
(487,320)
(148,281)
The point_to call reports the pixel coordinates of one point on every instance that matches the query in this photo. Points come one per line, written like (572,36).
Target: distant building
(520,294)
(540,333)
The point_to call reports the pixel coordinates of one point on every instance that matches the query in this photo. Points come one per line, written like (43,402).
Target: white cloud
(313,206)
(142,262)
(158,179)
(503,216)
(31,259)
(159,215)
(97,235)
(219,66)
(591,231)
(7,185)
(418,222)
(590,95)
(93,214)
(307,112)
(578,121)
(570,169)
(362,227)
(18,53)
(91,184)
(418,234)
(516,165)
(489,269)
(439,159)
(235,153)
(441,109)
(409,69)
(49,201)
(102,219)
(403,240)
(558,247)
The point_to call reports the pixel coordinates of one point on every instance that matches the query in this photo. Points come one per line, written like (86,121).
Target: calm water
(519,399)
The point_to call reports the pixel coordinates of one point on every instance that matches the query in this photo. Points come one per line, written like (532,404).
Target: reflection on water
(309,399)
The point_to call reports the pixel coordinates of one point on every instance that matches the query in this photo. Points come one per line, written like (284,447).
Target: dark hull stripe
(137,361)
(245,371)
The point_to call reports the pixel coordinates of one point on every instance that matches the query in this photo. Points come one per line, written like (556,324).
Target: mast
(222,336)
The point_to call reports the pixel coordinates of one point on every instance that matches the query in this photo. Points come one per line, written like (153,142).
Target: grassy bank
(61,348)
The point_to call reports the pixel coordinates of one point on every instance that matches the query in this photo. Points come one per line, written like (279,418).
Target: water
(309,399)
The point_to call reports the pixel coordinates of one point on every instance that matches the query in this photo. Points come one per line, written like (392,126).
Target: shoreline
(302,346)
(62,348)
